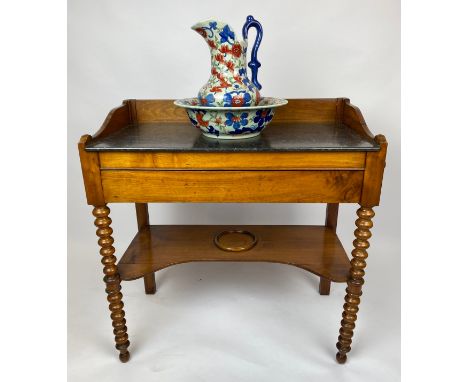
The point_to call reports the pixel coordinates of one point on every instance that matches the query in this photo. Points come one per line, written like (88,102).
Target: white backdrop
(234,322)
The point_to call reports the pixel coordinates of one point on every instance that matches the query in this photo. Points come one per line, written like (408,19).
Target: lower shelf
(313,248)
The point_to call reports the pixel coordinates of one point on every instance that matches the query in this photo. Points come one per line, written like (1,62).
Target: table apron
(320,186)
(232,161)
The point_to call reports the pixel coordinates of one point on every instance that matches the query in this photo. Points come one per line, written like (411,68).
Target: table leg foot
(355,281)
(150,283)
(341,358)
(324,286)
(112,279)
(124,357)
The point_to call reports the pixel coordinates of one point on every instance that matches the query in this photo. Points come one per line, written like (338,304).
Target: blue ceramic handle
(254,64)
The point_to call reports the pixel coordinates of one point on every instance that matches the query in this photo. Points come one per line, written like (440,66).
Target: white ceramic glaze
(229,84)
(229,105)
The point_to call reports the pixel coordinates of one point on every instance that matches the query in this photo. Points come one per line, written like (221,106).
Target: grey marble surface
(275,137)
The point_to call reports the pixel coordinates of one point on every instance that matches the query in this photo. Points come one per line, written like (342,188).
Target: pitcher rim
(207,21)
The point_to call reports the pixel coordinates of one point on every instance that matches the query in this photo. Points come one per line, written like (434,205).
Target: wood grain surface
(331,222)
(314,248)
(232,186)
(91,172)
(373,175)
(297,110)
(355,282)
(143,222)
(268,177)
(112,280)
(117,118)
(230,161)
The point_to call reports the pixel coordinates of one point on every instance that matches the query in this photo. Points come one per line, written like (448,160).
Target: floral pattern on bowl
(231,122)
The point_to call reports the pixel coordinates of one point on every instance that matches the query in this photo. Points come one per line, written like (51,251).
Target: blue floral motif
(210,29)
(263,117)
(212,130)
(249,84)
(237,98)
(243,130)
(242,71)
(226,34)
(194,123)
(236,121)
(208,100)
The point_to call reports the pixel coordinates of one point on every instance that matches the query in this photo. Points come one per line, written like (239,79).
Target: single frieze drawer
(325,186)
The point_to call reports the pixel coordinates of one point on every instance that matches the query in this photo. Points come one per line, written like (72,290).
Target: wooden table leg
(150,283)
(143,221)
(355,281)
(331,222)
(324,286)
(112,280)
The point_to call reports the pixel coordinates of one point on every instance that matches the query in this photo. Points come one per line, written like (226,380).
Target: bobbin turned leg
(355,282)
(112,280)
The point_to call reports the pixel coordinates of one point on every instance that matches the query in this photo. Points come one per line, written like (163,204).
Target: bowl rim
(278,102)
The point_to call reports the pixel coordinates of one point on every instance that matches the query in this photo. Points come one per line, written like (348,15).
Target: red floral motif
(224,49)
(219,58)
(238,79)
(230,65)
(236,50)
(216,89)
(257,95)
(200,120)
(214,71)
(237,100)
(201,31)
(212,44)
(218,120)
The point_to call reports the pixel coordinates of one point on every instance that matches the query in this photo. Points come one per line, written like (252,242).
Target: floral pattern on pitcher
(228,84)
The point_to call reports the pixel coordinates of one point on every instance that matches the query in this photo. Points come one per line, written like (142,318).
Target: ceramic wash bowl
(226,122)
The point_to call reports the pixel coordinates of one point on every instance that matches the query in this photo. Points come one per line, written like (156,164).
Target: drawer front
(232,161)
(324,186)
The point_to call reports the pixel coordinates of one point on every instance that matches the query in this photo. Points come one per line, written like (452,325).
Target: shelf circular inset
(235,240)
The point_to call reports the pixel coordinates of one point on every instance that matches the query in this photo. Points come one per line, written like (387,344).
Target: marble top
(275,137)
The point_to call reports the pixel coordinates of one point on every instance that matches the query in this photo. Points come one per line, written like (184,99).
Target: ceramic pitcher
(229,85)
